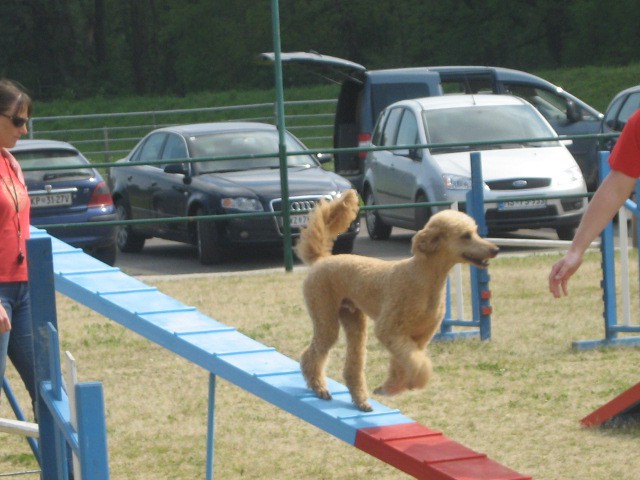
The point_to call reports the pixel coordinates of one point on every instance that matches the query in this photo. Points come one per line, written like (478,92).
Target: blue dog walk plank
(221,349)
(187,323)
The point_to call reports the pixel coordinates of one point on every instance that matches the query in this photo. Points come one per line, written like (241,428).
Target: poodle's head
(453,236)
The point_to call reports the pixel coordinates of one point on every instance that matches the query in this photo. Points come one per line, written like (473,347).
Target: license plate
(299,220)
(522,204)
(51,200)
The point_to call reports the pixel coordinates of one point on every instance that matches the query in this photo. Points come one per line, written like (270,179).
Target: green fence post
(284,180)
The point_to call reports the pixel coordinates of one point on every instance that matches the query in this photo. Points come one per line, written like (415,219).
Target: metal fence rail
(109,136)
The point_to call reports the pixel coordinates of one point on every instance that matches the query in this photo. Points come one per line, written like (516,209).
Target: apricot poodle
(405,298)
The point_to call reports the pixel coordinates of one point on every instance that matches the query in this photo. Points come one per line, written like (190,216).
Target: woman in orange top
(16,338)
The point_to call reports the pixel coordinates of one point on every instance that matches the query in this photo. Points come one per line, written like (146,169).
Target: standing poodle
(406,298)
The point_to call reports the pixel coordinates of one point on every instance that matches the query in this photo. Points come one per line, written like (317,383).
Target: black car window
(252,150)
(387,93)
(175,148)
(391,127)
(551,105)
(150,150)
(378,129)
(628,108)
(408,130)
(610,120)
(52,158)
(468,82)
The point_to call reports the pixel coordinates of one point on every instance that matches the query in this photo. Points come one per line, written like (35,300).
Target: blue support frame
(479,278)
(57,436)
(607,249)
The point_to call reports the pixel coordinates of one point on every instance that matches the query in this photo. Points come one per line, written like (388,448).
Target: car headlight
(570,175)
(456,182)
(244,204)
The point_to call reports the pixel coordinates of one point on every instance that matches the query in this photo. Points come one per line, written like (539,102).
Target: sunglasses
(18,122)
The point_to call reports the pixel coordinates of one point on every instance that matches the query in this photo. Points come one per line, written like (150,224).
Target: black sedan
(218,169)
(72,193)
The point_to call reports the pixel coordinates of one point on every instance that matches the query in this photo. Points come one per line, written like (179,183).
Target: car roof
(623,93)
(463,100)
(635,88)
(41,144)
(202,128)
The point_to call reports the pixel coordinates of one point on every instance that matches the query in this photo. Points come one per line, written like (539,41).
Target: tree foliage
(82,48)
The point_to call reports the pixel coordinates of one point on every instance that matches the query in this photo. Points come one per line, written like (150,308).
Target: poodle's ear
(427,240)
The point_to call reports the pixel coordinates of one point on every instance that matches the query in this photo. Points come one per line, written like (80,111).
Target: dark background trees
(83,48)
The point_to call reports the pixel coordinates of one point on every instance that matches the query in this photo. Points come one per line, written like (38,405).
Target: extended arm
(607,200)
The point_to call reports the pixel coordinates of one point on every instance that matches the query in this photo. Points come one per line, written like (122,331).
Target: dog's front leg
(410,367)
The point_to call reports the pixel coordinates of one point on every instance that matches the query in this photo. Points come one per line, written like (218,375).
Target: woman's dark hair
(13,98)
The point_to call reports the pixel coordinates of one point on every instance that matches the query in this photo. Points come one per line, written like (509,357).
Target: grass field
(518,398)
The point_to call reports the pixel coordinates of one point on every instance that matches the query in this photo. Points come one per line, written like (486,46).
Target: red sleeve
(625,156)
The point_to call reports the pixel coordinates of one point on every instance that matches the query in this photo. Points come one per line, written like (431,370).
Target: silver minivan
(528,183)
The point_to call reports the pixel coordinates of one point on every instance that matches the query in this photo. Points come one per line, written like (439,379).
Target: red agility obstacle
(627,403)
(429,455)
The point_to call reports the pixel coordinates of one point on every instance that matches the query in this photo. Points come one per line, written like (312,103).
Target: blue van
(364,93)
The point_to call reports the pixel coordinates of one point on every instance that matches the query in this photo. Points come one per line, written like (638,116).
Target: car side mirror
(412,153)
(176,168)
(573,112)
(179,169)
(324,158)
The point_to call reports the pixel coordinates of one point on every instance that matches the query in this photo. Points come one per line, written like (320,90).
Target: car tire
(565,233)
(376,228)
(343,245)
(127,240)
(106,254)
(422,214)
(208,241)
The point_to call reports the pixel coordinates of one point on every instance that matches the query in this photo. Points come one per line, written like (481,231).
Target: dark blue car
(74,195)
(622,106)
(237,171)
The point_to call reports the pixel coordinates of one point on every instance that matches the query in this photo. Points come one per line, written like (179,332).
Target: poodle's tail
(326,221)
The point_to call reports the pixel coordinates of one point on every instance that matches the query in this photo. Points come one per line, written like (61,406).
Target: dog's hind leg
(354,323)
(313,361)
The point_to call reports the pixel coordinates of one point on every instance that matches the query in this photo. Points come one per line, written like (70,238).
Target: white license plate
(299,220)
(522,204)
(51,200)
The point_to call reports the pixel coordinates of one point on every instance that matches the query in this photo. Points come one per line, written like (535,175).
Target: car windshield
(503,126)
(245,143)
(31,159)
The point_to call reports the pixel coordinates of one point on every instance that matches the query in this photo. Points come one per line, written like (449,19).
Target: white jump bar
(18,427)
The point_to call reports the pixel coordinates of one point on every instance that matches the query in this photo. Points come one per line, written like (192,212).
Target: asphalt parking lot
(162,257)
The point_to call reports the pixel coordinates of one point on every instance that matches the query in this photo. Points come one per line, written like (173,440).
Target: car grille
(518,183)
(297,205)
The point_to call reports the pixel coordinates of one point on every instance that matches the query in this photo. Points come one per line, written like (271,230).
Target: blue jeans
(17,344)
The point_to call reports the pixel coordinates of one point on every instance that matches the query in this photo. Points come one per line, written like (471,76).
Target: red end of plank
(430,455)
